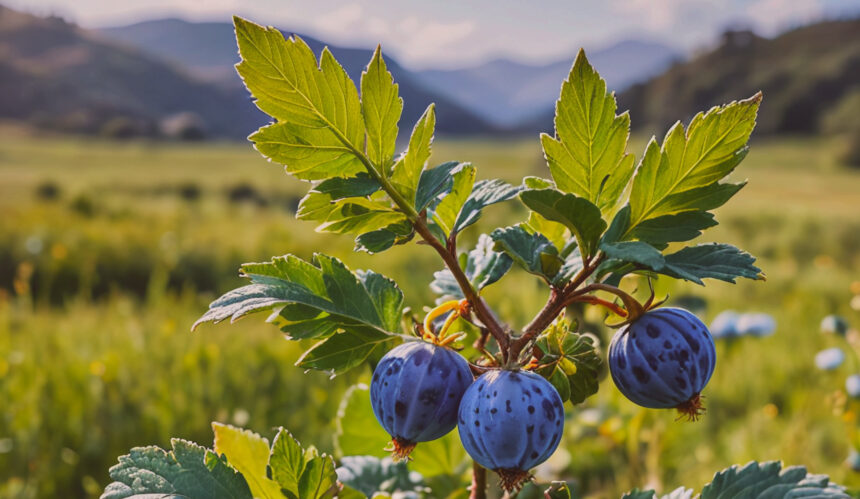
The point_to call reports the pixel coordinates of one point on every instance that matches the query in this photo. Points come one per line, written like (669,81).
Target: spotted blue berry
(415,392)
(663,359)
(509,422)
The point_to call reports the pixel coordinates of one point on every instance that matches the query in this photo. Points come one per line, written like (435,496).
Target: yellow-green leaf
(587,157)
(249,454)
(407,169)
(381,106)
(683,174)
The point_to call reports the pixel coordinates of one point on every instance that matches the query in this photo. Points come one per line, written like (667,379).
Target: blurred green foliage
(108,253)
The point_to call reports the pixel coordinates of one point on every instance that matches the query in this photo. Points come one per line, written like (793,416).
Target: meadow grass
(109,251)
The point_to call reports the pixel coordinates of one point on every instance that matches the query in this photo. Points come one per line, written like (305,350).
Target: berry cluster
(511,419)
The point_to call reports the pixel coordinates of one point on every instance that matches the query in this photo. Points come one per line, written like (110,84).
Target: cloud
(415,38)
(775,15)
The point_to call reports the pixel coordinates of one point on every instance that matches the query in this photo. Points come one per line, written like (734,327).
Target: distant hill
(806,74)
(57,76)
(508,93)
(208,50)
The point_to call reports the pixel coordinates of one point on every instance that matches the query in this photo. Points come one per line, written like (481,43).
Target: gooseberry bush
(599,217)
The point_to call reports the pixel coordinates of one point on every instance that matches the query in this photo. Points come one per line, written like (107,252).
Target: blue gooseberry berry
(415,392)
(663,359)
(509,422)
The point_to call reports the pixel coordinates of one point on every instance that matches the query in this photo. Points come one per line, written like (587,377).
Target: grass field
(108,252)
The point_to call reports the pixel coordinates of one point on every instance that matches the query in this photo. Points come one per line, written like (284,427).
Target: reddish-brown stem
(554,306)
(478,490)
(478,306)
(598,301)
(634,308)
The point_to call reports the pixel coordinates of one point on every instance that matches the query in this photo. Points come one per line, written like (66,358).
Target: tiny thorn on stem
(692,409)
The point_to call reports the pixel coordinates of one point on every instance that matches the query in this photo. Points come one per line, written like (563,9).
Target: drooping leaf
(770,481)
(287,461)
(445,212)
(484,193)
(189,470)
(717,261)
(587,157)
(344,350)
(319,102)
(300,322)
(660,231)
(319,202)
(683,175)
(362,298)
(578,214)
(408,168)
(636,252)
(357,432)
(369,475)
(380,240)
(249,454)
(381,107)
(359,215)
(434,182)
(532,251)
(483,266)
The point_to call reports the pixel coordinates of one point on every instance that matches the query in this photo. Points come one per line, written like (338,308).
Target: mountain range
(503,93)
(135,79)
(510,93)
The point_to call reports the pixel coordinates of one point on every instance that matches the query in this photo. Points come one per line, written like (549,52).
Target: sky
(458,33)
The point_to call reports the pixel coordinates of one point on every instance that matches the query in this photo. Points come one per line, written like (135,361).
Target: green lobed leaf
(587,157)
(572,356)
(483,266)
(357,432)
(369,475)
(556,232)
(683,175)
(435,182)
(345,350)
(315,104)
(484,193)
(381,107)
(578,214)
(379,240)
(770,481)
(717,261)
(359,215)
(638,252)
(532,251)
(444,214)
(287,461)
(361,298)
(248,453)
(662,230)
(307,153)
(408,168)
(320,202)
(188,470)
(318,479)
